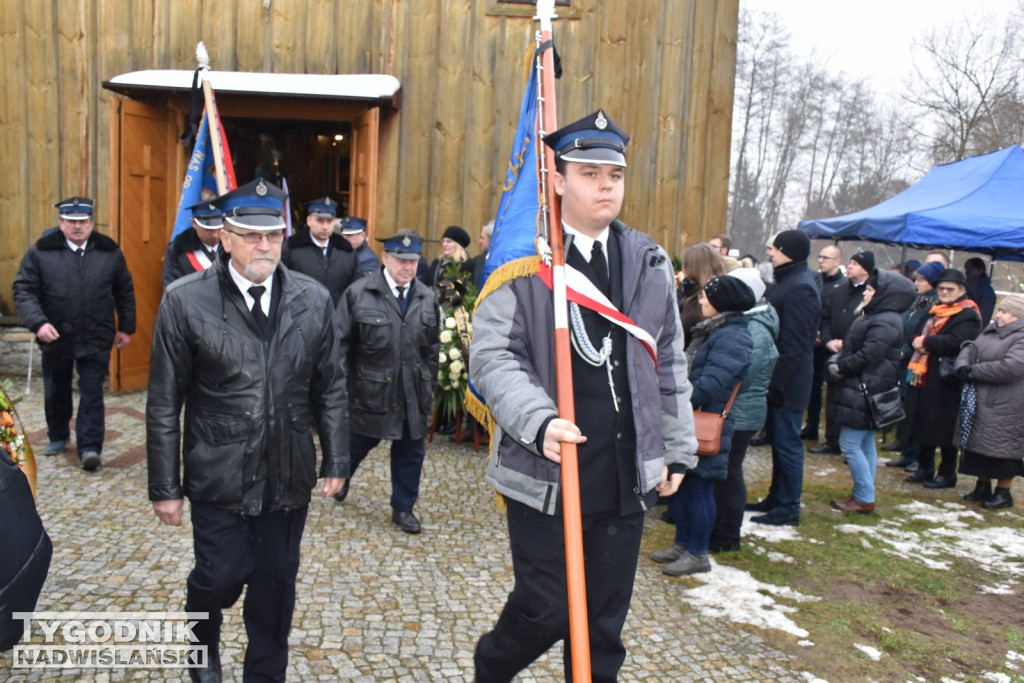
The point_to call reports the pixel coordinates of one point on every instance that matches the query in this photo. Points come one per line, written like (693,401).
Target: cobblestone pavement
(374,604)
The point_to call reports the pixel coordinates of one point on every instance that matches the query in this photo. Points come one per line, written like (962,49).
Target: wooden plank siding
(663,69)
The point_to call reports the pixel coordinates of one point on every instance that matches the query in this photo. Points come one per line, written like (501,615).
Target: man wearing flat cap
(196,248)
(321,254)
(388,323)
(634,423)
(353,229)
(67,290)
(249,349)
(796,299)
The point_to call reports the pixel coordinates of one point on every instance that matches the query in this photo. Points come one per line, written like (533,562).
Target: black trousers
(821,354)
(233,550)
(58,373)
(731,493)
(536,615)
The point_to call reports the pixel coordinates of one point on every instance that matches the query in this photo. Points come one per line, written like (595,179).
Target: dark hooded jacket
(871,349)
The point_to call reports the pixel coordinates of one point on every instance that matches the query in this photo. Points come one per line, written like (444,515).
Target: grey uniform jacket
(511,364)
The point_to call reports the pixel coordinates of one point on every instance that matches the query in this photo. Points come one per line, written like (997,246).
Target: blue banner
(198,175)
(515,227)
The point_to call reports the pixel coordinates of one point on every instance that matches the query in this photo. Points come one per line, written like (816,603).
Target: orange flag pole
(551,213)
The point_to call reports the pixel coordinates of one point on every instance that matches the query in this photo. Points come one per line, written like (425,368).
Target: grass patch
(924,611)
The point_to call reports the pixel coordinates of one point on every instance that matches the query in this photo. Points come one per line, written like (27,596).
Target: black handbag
(947,365)
(886,407)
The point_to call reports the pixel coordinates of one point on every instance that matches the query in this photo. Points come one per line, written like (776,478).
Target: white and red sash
(199,260)
(581,290)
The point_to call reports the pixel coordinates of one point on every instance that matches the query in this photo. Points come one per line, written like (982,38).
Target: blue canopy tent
(972,205)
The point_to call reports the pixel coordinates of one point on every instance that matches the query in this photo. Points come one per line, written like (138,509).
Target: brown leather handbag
(708,426)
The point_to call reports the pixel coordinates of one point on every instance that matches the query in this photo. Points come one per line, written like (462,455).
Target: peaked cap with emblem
(594,139)
(325,207)
(258,205)
(207,215)
(75,208)
(406,244)
(351,225)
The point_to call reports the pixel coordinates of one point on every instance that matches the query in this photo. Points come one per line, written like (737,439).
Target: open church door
(363,184)
(142,140)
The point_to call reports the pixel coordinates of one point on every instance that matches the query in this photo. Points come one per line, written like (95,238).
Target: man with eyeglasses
(829,278)
(249,349)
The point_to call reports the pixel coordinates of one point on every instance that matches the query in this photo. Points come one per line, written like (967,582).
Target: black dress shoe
(982,491)
(760,506)
(211,674)
(406,521)
(901,461)
(920,475)
(825,449)
(894,446)
(947,481)
(341,495)
(776,518)
(999,500)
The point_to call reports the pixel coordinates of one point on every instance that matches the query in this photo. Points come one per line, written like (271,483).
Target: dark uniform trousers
(407,457)
(58,373)
(233,550)
(535,617)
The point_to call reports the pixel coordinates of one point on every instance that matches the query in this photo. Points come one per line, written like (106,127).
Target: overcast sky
(870,38)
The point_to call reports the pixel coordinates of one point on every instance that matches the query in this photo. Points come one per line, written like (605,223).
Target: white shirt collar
(394,285)
(322,245)
(75,247)
(244,284)
(585,243)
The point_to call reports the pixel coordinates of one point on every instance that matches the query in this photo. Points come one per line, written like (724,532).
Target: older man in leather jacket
(250,350)
(390,338)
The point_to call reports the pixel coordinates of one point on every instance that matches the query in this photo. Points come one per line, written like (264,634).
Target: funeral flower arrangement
(12,436)
(456,300)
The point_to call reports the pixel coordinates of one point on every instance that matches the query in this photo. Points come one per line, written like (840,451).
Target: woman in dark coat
(719,356)
(992,434)
(935,399)
(870,356)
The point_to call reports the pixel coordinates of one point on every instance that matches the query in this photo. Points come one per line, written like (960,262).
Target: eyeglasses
(273,236)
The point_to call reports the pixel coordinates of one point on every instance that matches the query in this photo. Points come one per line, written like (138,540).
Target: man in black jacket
(836,319)
(67,289)
(796,299)
(249,349)
(388,324)
(829,278)
(320,253)
(194,249)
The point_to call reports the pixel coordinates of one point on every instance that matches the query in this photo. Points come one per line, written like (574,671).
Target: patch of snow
(735,595)
(779,557)
(995,677)
(772,534)
(805,643)
(998,589)
(871,652)
(811,678)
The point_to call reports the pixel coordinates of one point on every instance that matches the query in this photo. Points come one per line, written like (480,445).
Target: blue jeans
(787,461)
(858,445)
(693,512)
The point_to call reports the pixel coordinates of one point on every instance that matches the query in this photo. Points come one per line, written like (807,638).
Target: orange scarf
(941,313)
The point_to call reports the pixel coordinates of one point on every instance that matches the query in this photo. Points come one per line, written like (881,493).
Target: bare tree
(967,87)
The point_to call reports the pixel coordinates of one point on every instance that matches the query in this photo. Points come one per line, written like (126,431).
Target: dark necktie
(81,252)
(403,303)
(256,292)
(600,266)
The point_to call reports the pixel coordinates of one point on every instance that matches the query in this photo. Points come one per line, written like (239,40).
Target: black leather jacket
(249,402)
(392,361)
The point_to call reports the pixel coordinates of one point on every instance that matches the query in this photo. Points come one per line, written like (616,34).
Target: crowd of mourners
(839,342)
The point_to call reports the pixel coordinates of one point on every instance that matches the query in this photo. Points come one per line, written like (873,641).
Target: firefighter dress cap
(404,245)
(325,207)
(351,225)
(207,215)
(75,208)
(594,139)
(258,205)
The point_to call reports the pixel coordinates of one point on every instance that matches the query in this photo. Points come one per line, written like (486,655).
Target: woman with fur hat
(870,358)
(990,430)
(718,356)
(935,399)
